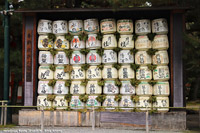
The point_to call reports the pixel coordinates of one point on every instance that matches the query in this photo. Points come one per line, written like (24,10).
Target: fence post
(147,121)
(2,112)
(93,119)
(42,119)
(5,115)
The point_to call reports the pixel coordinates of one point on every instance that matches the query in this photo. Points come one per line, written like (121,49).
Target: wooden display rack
(176,23)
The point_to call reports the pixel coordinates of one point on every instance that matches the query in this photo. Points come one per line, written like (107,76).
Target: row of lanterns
(107,26)
(109,73)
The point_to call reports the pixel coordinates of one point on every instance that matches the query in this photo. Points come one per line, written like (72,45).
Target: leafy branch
(101,82)
(83,37)
(85,51)
(83,98)
(51,97)
(134,37)
(85,67)
(135,98)
(68,68)
(117,49)
(68,52)
(52,83)
(151,51)
(101,98)
(118,98)
(152,83)
(117,66)
(84,82)
(68,37)
(68,97)
(51,37)
(133,51)
(152,99)
(152,67)
(118,83)
(151,36)
(100,51)
(68,83)
(135,66)
(52,67)
(53,52)
(100,66)
(135,82)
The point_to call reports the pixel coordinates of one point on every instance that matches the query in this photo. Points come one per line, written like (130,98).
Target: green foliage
(117,49)
(52,67)
(135,82)
(101,98)
(68,68)
(100,51)
(51,97)
(53,52)
(52,82)
(151,51)
(84,82)
(135,110)
(85,51)
(68,52)
(151,36)
(68,37)
(152,99)
(51,37)
(133,51)
(134,37)
(68,97)
(100,109)
(117,66)
(83,37)
(135,98)
(85,66)
(100,66)
(152,83)
(82,110)
(68,83)
(117,110)
(118,83)
(101,82)
(135,66)
(83,98)
(118,98)
(152,67)
(99,36)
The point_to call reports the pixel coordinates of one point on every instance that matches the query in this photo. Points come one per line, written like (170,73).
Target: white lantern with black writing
(75,27)
(61,43)
(142,58)
(91,26)
(161,89)
(159,26)
(76,103)
(110,88)
(108,26)
(161,58)
(110,102)
(77,58)
(45,58)
(93,58)
(109,72)
(144,88)
(44,26)
(142,27)
(60,58)
(44,88)
(143,43)
(44,43)
(161,73)
(60,73)
(126,72)
(125,56)
(60,27)
(109,57)
(76,88)
(126,42)
(126,88)
(126,102)
(92,102)
(109,41)
(60,88)
(93,73)
(125,26)
(93,42)
(77,73)
(45,73)
(93,88)
(60,102)
(143,73)
(43,102)
(160,42)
